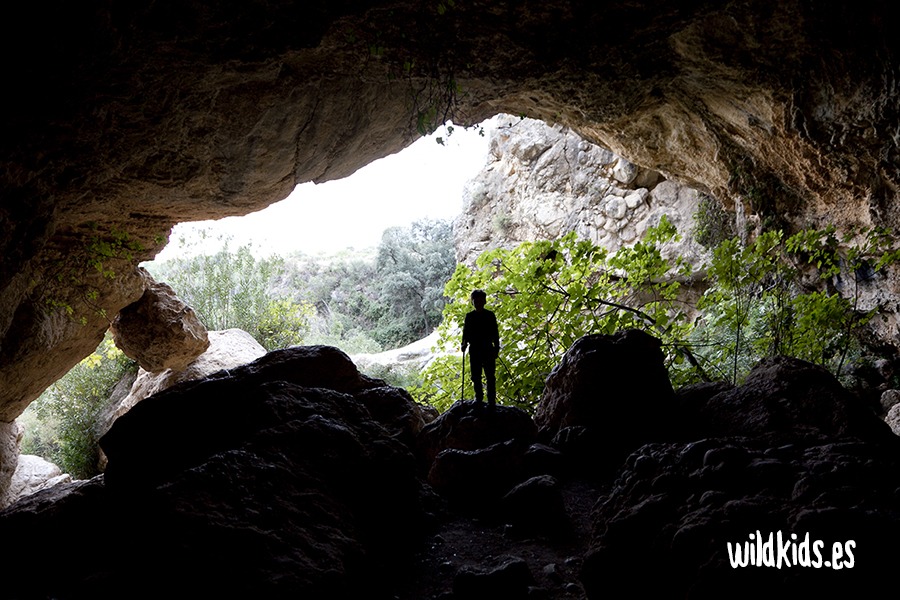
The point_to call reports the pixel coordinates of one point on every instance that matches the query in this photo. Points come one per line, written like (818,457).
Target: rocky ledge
(295,476)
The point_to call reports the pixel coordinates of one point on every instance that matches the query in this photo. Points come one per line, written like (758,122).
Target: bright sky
(424,180)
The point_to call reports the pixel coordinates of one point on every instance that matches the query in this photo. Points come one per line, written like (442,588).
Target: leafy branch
(547,294)
(760,302)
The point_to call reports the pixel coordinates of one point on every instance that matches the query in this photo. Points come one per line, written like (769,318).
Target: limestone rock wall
(34,474)
(10,439)
(543,181)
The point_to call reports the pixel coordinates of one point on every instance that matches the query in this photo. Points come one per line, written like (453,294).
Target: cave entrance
(359,263)
(330,264)
(264,276)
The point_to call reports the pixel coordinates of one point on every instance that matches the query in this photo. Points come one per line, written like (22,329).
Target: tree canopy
(233,289)
(359,302)
(792,295)
(394,298)
(547,294)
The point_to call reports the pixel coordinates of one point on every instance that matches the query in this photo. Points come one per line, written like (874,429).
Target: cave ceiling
(122,119)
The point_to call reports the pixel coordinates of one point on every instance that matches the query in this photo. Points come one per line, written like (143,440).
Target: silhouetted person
(481,335)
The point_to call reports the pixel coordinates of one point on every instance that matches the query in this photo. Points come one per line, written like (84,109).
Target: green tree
(777,295)
(234,289)
(283,323)
(61,425)
(339,288)
(547,294)
(732,313)
(393,298)
(793,296)
(413,265)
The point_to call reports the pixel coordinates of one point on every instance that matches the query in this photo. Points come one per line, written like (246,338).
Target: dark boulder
(690,400)
(226,407)
(675,508)
(471,426)
(159,331)
(397,411)
(541,459)
(473,454)
(536,506)
(785,400)
(788,453)
(615,389)
(260,482)
(511,579)
(477,479)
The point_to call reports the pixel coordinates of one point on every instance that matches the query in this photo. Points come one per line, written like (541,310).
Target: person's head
(479,299)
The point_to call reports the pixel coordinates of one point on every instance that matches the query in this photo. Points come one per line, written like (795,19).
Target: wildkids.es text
(782,551)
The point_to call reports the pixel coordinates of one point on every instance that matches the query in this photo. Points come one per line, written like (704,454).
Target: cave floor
(478,544)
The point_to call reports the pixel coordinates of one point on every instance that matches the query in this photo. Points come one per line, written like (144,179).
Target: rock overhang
(130,118)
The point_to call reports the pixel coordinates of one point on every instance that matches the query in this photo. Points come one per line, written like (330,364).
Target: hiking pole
(462,387)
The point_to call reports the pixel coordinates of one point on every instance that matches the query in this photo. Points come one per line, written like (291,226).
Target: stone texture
(397,411)
(676,506)
(226,350)
(292,476)
(788,400)
(56,325)
(790,450)
(543,181)
(510,578)
(889,398)
(304,366)
(127,118)
(34,474)
(473,455)
(267,483)
(10,438)
(159,331)
(135,120)
(541,459)
(615,387)
(466,425)
(475,480)
(143,118)
(538,495)
(893,419)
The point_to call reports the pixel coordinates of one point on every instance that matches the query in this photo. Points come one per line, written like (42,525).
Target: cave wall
(541,182)
(124,118)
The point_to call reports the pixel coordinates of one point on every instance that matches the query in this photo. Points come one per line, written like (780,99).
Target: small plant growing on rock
(712,223)
(502,223)
(94,259)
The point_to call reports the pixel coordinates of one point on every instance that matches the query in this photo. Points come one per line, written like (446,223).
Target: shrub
(712,223)
(61,425)
(547,294)
(232,289)
(794,296)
